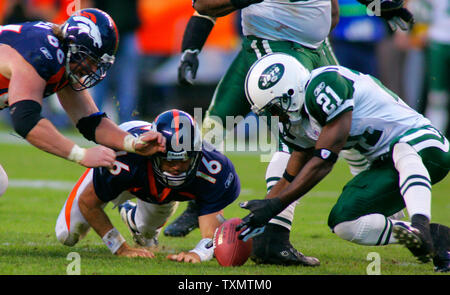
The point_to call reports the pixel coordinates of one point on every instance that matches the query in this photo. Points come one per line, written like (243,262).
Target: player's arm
(296,162)
(25,92)
(203,251)
(195,35)
(92,209)
(221,7)
(331,141)
(95,126)
(334,14)
(393,11)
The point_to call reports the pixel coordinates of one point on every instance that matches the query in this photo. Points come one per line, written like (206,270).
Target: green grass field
(28,214)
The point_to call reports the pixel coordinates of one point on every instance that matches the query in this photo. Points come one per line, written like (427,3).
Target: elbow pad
(87,125)
(25,114)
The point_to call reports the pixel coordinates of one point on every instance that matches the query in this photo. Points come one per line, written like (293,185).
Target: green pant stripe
(274,178)
(416,184)
(413,177)
(287,221)
(389,233)
(382,233)
(269,188)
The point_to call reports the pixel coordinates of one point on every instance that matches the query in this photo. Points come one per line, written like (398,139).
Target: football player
(299,28)
(333,108)
(38,59)
(189,169)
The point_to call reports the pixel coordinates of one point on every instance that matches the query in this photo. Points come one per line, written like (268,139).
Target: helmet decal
(87,26)
(271,76)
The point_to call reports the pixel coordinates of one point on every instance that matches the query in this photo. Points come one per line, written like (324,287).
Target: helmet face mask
(183,149)
(92,40)
(275,85)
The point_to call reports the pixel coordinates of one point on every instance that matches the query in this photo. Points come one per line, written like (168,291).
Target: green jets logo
(270,76)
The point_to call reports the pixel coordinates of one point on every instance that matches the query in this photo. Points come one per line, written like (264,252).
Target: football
(228,249)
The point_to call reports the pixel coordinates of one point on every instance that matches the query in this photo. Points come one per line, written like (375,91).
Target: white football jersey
(306,22)
(378,114)
(440,22)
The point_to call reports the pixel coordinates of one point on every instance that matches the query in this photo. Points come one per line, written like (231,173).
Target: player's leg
(3,181)
(438,96)
(360,214)
(145,220)
(422,158)
(71,226)
(273,246)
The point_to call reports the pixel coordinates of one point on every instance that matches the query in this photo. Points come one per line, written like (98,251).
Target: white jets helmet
(276,84)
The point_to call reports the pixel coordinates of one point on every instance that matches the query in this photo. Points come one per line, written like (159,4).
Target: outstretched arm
(331,141)
(92,209)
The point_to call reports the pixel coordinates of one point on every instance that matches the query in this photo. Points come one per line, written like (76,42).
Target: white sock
(414,180)
(371,230)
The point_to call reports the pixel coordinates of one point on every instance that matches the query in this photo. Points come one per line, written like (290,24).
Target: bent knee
(67,239)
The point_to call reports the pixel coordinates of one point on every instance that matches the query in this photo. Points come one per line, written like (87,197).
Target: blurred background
(143,81)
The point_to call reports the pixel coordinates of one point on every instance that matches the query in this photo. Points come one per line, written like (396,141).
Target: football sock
(371,230)
(414,180)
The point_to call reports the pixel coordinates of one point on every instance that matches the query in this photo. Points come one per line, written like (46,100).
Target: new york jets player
(298,28)
(333,108)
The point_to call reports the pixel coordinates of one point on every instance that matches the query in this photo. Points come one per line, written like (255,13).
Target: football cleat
(441,241)
(417,241)
(125,210)
(185,223)
(273,247)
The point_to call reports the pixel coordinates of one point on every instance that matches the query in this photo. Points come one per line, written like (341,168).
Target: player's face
(175,167)
(84,68)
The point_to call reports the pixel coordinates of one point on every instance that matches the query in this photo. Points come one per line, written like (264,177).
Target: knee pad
(3,181)
(405,155)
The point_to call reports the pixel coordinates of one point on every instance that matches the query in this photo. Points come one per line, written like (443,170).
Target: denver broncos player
(38,59)
(189,169)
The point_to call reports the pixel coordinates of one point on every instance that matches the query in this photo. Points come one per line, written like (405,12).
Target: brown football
(228,249)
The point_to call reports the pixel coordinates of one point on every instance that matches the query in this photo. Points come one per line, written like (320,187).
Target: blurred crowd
(143,81)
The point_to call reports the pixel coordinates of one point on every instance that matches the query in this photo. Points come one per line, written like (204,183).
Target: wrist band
(76,154)
(204,249)
(288,177)
(326,155)
(129,143)
(113,240)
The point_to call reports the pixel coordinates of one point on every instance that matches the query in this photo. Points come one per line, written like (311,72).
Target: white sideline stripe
(39,184)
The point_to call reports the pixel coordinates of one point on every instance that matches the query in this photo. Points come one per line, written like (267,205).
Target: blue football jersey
(37,44)
(215,186)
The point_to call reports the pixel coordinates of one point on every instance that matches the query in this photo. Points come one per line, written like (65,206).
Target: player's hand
(187,70)
(189,257)
(396,15)
(261,211)
(127,251)
(150,143)
(98,156)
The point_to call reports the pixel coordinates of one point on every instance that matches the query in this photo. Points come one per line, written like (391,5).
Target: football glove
(392,11)
(261,211)
(187,70)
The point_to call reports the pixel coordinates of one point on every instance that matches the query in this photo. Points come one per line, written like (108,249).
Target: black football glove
(393,12)
(187,70)
(261,211)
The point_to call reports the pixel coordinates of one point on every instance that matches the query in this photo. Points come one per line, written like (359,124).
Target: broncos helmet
(92,39)
(183,142)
